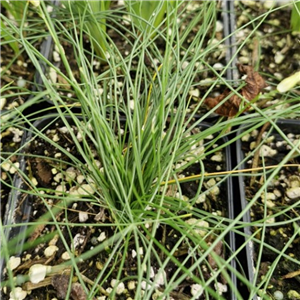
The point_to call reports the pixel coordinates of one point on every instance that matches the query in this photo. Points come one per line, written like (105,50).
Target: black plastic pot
(19,208)
(287,126)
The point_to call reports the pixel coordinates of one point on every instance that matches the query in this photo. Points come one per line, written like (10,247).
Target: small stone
(219,26)
(13,262)
(266,151)
(131,285)
(2,103)
(70,174)
(293,193)
(53,75)
(21,82)
(221,288)
(131,104)
(268,196)
(195,93)
(101,237)
(49,251)
(56,56)
(268,4)
(278,58)
(120,288)
(159,278)
(185,65)
(145,285)
(38,272)
(198,226)
(278,295)
(133,253)
(17,294)
(66,256)
(217,157)
(201,198)
(294,295)
(211,182)
(218,66)
(83,216)
(196,290)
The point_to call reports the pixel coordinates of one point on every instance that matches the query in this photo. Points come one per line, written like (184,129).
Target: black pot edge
(15,195)
(282,124)
(230,42)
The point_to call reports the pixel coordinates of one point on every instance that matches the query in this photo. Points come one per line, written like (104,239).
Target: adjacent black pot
(287,127)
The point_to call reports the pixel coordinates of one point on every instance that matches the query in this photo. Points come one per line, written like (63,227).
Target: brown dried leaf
(60,284)
(254,85)
(77,292)
(218,250)
(42,171)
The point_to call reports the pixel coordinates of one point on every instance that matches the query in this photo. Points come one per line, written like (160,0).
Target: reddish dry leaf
(77,292)
(60,284)
(254,85)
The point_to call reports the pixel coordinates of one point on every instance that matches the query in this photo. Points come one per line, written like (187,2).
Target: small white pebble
(120,288)
(278,295)
(60,189)
(195,93)
(70,174)
(13,262)
(80,178)
(218,66)
(53,75)
(66,256)
(2,103)
(196,290)
(58,177)
(133,253)
(267,151)
(131,285)
(221,288)
(56,56)
(14,168)
(217,157)
(145,285)
(278,58)
(293,193)
(185,65)
(159,278)
(131,104)
(17,294)
(201,198)
(83,216)
(50,250)
(101,237)
(198,226)
(38,272)
(219,26)
(21,82)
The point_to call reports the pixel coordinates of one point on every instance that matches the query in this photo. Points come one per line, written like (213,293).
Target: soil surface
(50,174)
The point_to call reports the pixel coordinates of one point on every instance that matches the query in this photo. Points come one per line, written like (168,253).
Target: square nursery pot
(273,255)
(24,207)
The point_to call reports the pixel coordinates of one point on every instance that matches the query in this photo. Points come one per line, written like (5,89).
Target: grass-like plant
(295,16)
(16,11)
(92,15)
(142,168)
(148,15)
